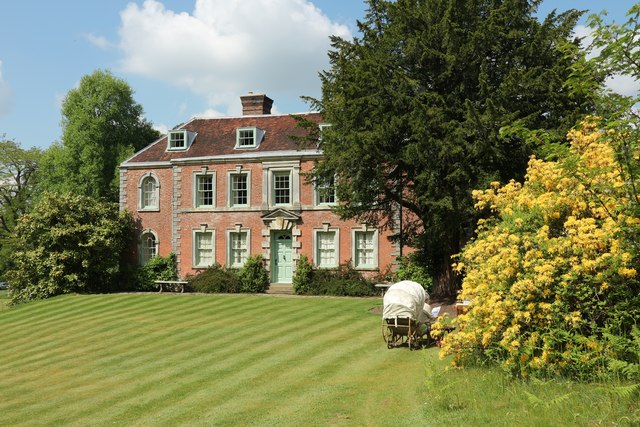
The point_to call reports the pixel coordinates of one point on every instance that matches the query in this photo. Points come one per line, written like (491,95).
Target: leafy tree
(68,243)
(421,107)
(102,125)
(18,169)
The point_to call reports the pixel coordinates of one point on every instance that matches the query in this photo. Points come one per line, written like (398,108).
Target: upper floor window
(148,192)
(365,249)
(325,192)
(282,187)
(148,246)
(204,190)
(180,139)
(239,189)
(323,127)
(281,184)
(249,137)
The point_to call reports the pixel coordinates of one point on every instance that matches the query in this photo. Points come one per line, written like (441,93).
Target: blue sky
(182,58)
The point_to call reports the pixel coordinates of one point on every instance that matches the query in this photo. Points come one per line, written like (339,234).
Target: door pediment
(280,219)
(280,213)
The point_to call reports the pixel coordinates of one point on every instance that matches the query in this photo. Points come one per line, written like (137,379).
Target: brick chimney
(256,104)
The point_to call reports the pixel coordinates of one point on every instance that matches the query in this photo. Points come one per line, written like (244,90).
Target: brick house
(216,190)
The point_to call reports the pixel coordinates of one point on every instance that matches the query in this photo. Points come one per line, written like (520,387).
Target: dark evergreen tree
(423,106)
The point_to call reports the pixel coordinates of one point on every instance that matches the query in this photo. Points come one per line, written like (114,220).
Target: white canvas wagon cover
(405,299)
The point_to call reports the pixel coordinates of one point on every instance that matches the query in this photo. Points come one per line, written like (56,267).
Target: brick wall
(178,218)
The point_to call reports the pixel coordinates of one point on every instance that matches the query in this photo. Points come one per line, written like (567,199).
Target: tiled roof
(217,136)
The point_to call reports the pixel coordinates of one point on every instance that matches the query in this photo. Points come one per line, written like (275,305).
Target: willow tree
(423,105)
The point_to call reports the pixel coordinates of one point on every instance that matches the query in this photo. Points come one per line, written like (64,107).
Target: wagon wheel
(388,335)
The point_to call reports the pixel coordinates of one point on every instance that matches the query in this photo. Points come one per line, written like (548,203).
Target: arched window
(148,246)
(149,192)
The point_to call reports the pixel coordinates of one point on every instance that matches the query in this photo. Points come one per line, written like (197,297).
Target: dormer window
(322,127)
(180,139)
(248,137)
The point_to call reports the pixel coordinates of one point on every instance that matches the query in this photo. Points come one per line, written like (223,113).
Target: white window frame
(142,206)
(258,134)
(317,194)
(230,234)
(196,192)
(171,142)
(187,138)
(141,247)
(196,250)
(322,127)
(274,175)
(316,247)
(268,194)
(230,175)
(354,251)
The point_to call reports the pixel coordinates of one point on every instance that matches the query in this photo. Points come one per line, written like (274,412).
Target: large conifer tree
(420,103)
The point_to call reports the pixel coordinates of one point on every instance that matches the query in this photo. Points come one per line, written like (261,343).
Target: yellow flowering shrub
(554,270)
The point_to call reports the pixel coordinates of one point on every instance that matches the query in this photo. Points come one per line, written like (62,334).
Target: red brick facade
(190,199)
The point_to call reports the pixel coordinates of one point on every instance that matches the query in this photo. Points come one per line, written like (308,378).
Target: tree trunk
(447,283)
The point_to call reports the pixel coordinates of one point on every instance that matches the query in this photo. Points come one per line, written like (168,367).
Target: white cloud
(227,48)
(97,41)
(211,112)
(624,85)
(162,128)
(6,95)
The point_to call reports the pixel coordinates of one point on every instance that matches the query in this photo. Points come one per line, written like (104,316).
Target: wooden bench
(383,287)
(172,285)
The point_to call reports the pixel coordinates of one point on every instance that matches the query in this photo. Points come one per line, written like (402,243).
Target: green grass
(4,300)
(252,360)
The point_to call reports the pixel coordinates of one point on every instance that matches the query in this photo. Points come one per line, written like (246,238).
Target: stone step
(277,288)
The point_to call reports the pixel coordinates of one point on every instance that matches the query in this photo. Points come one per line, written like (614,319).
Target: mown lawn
(252,360)
(4,300)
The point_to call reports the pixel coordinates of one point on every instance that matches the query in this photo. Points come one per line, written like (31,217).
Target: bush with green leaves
(69,243)
(302,277)
(410,268)
(157,268)
(253,276)
(343,281)
(215,279)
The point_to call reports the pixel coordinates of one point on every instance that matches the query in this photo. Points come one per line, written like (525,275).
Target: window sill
(149,210)
(366,268)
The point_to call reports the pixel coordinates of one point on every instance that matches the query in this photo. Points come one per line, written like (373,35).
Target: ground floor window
(326,255)
(238,242)
(365,249)
(148,247)
(203,249)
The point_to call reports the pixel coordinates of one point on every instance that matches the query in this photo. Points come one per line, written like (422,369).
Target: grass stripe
(168,359)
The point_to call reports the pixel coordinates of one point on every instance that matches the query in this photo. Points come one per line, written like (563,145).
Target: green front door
(282,270)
